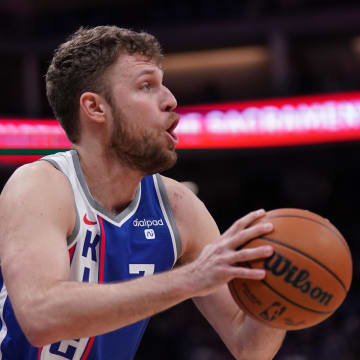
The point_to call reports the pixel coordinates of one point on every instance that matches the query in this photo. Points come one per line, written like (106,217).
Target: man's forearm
(258,341)
(70,310)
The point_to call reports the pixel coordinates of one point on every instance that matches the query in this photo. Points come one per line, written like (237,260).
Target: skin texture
(37,214)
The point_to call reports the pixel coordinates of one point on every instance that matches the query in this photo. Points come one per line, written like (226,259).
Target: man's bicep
(202,230)
(196,226)
(34,221)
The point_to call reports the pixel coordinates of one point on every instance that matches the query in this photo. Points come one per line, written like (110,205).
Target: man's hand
(220,261)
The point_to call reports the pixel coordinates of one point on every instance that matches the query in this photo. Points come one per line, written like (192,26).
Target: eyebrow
(149,72)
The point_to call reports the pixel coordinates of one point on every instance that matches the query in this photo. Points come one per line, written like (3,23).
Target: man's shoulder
(38,191)
(180,196)
(36,172)
(39,178)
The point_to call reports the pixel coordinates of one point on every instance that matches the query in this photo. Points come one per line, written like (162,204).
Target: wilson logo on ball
(279,265)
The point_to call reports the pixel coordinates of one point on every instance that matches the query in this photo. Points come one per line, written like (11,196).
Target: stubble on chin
(142,150)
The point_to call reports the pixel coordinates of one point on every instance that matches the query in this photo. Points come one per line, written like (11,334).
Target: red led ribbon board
(273,122)
(32,134)
(276,122)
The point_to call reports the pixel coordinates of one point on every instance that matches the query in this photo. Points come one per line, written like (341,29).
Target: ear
(93,106)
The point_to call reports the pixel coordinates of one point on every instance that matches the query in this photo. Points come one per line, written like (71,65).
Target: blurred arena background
(221,51)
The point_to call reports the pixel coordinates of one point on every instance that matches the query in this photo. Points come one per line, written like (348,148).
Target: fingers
(250,254)
(246,273)
(240,233)
(245,221)
(240,257)
(243,236)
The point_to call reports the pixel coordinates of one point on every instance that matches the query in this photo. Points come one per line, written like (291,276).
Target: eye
(146,86)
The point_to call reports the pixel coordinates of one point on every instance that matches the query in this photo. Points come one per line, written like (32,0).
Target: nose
(169,102)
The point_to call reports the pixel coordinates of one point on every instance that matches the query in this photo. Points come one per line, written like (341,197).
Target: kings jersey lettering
(281,266)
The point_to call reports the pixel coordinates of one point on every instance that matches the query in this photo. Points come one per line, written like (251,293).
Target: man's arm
(245,337)
(36,216)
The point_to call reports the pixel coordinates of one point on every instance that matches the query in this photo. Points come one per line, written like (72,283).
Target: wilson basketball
(307,277)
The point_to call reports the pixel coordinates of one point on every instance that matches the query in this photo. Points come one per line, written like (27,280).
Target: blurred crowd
(47,19)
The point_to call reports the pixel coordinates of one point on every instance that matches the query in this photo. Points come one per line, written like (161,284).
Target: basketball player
(89,237)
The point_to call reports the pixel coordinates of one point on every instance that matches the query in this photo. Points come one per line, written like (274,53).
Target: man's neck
(110,183)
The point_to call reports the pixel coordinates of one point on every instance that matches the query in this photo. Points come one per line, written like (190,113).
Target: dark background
(307,47)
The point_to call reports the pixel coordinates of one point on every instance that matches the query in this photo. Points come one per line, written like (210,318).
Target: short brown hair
(79,64)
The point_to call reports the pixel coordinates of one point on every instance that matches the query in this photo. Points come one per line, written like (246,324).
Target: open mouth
(171,131)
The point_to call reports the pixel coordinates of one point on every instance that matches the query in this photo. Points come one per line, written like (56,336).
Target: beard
(139,148)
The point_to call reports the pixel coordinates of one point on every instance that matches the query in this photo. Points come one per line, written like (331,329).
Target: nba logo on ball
(149,233)
(307,277)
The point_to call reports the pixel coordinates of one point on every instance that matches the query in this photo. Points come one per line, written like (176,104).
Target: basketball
(307,277)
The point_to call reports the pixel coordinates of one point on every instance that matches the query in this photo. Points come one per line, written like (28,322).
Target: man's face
(142,134)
